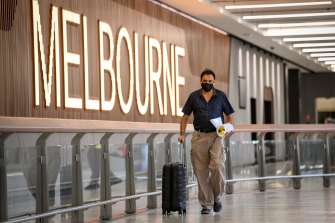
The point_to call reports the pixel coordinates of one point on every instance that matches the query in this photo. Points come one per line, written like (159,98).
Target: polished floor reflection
(277,206)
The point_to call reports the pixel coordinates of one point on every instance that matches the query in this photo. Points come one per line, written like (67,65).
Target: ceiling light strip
(280,16)
(326,58)
(278,5)
(305,39)
(299,31)
(303,45)
(322,55)
(299,24)
(330,62)
(313,50)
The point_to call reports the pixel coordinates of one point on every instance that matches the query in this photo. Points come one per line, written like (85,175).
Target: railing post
(42,190)
(3,177)
(326,160)
(296,162)
(130,178)
(105,190)
(261,161)
(184,156)
(167,143)
(77,180)
(152,200)
(228,165)
(186,166)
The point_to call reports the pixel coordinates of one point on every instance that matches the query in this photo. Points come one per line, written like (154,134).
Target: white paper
(217,122)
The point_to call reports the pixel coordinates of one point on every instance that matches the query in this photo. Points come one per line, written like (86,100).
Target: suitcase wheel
(182,212)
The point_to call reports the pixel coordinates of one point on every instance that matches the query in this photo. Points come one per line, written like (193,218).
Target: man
(207,154)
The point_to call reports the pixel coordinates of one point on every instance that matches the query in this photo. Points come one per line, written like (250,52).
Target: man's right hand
(183,123)
(181,138)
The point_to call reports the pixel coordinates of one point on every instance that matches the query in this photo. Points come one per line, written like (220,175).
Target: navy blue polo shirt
(203,112)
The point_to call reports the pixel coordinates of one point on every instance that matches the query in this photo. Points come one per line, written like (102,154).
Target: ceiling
(285,28)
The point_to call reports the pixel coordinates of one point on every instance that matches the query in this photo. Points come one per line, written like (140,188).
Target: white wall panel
(260,69)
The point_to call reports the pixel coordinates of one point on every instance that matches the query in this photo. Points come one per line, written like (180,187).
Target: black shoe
(205,211)
(217,206)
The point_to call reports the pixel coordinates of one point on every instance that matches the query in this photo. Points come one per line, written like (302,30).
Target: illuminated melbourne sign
(161,67)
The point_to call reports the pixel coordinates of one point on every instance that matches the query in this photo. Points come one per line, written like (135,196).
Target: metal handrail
(280,177)
(306,128)
(23,124)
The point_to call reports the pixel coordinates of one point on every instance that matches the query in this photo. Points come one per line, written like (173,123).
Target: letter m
(38,46)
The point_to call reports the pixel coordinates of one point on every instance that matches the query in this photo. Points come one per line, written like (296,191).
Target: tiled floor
(276,206)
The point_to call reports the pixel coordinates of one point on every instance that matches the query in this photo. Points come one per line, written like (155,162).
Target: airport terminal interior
(92,96)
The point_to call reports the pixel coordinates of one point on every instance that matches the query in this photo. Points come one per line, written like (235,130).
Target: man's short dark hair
(207,72)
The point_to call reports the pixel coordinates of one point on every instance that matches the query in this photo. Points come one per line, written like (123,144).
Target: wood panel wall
(7,13)
(204,48)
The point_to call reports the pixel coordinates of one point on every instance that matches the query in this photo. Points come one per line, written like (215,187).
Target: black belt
(205,130)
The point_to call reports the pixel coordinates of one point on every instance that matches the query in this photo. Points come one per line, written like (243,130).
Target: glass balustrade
(55,162)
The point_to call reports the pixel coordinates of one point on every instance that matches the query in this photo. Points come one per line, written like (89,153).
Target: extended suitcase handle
(182,148)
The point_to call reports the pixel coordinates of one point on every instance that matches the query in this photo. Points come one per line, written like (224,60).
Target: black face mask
(207,87)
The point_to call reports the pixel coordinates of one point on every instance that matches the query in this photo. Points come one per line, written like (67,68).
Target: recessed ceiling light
(299,31)
(294,15)
(330,62)
(299,24)
(303,45)
(304,39)
(278,5)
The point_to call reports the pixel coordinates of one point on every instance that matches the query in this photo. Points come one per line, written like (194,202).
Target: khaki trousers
(207,156)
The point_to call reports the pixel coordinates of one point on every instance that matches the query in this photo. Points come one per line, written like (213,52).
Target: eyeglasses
(207,81)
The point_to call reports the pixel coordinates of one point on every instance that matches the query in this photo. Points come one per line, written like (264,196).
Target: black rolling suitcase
(174,188)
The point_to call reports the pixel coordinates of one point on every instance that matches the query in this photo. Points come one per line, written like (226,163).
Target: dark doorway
(253,112)
(253,116)
(270,150)
(268,112)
